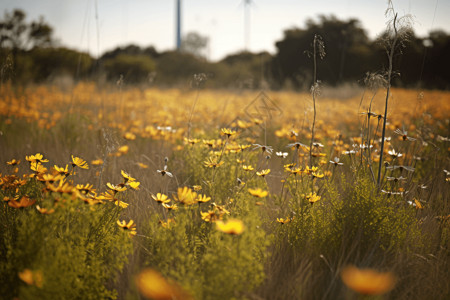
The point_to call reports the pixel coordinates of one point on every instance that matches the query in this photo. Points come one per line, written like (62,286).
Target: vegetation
(288,229)
(27,49)
(130,192)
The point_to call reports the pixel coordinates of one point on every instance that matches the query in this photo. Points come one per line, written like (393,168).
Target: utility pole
(247,4)
(178,24)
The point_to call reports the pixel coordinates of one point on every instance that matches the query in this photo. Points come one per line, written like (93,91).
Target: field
(192,193)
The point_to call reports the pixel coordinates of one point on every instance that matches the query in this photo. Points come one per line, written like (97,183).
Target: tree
(194,43)
(247,69)
(133,68)
(348,49)
(52,62)
(15,33)
(18,36)
(174,67)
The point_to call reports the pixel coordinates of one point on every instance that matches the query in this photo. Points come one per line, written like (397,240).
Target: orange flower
(368,281)
(31,277)
(153,285)
(23,202)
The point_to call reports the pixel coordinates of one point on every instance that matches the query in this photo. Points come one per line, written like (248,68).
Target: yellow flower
(247,168)
(232,226)
(197,187)
(263,173)
(129,136)
(97,162)
(228,132)
(161,198)
(191,141)
(85,189)
(233,148)
(309,170)
(78,162)
(212,163)
(317,175)
(37,167)
(13,162)
(123,150)
(186,196)
(209,143)
(418,204)
(244,147)
(258,193)
(283,221)
(126,177)
(62,188)
(134,185)
(368,281)
(294,171)
(203,198)
(209,216)
(142,166)
(243,124)
(312,198)
(289,166)
(131,226)
(108,196)
(170,207)
(126,225)
(62,171)
(36,158)
(116,188)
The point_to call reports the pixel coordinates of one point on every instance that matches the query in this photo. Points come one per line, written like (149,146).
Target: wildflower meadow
(111,190)
(202,194)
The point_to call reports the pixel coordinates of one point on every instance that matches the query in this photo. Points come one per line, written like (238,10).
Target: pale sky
(152,22)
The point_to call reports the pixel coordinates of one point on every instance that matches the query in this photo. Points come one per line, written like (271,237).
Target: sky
(97,26)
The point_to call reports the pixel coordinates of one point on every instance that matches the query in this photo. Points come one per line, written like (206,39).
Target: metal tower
(178,24)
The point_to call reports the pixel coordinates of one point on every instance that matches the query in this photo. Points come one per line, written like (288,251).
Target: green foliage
(185,247)
(77,250)
(133,68)
(208,263)
(16,33)
(350,224)
(176,67)
(53,62)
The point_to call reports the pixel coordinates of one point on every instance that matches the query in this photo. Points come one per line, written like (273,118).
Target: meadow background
(168,177)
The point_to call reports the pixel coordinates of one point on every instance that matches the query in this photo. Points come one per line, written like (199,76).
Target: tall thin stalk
(318,48)
(388,90)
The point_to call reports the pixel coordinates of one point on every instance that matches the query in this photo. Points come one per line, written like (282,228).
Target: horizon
(98,26)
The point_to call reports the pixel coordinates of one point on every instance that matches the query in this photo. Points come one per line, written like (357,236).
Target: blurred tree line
(30,54)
